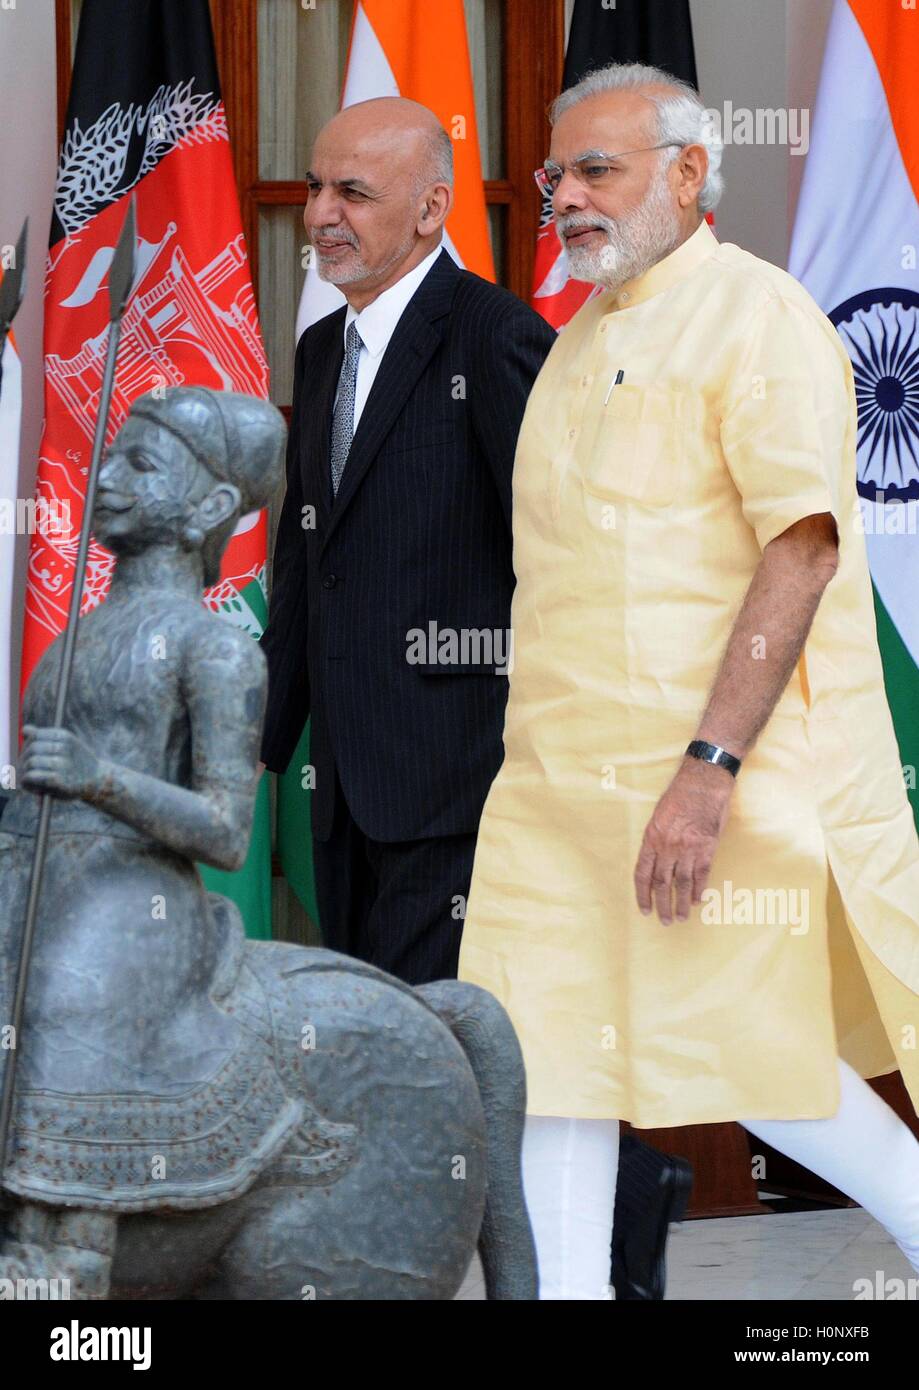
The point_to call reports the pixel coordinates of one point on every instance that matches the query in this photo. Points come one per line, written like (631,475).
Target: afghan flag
(416,49)
(855,248)
(145,116)
(631,31)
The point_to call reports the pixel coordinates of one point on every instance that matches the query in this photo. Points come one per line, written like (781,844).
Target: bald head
(399,124)
(380,186)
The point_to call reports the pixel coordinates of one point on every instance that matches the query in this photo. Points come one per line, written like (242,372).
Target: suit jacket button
(330,581)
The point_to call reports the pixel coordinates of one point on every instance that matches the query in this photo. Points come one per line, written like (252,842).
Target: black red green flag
(145,115)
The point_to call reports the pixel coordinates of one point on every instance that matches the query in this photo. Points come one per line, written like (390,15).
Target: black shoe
(647,1206)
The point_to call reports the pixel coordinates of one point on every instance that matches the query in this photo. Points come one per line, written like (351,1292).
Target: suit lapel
(417,336)
(318,399)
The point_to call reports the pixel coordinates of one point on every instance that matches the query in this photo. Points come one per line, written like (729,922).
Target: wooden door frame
(533,58)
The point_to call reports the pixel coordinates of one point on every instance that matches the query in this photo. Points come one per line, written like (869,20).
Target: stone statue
(199,1116)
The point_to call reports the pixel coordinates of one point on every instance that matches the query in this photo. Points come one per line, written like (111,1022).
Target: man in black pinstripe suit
(390,605)
(392,581)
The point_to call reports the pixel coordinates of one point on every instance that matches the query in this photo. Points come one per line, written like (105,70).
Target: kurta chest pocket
(639,445)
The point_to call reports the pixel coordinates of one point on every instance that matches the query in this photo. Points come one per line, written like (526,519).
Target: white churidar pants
(569,1177)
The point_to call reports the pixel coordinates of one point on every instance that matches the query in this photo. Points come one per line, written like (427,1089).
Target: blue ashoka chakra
(880,330)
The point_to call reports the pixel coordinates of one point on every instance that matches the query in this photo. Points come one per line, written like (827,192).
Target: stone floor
(785,1256)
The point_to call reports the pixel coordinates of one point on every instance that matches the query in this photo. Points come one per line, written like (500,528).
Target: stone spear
(121,276)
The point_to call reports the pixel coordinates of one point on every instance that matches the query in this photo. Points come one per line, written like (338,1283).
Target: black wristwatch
(711,753)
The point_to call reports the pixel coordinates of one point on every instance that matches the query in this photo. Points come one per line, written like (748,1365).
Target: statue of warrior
(166,1104)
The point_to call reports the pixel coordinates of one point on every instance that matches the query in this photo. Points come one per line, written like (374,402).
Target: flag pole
(121,276)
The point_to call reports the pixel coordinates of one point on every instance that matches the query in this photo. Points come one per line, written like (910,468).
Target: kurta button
(330,581)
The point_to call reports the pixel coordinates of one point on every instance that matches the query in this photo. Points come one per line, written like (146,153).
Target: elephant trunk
(484,1031)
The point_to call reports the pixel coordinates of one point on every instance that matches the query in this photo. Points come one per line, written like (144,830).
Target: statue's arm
(224,686)
(211,820)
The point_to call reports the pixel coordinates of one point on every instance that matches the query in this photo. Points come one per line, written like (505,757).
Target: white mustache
(573,223)
(328,234)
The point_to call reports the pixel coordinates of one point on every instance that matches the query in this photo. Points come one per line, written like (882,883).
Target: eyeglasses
(592,170)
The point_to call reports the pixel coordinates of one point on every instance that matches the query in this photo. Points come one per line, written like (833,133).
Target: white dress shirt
(376,325)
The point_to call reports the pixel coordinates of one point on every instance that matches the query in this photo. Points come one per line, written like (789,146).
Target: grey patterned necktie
(343,414)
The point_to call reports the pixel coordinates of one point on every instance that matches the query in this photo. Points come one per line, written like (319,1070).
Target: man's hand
(762,651)
(680,840)
(57,762)
(259,769)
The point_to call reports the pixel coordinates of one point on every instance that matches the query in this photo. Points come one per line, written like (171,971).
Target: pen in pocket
(615,382)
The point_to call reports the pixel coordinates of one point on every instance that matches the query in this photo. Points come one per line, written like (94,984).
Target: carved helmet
(239,439)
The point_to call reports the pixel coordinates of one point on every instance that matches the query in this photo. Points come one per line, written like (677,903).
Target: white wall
(740,57)
(759,53)
(28,155)
(805,31)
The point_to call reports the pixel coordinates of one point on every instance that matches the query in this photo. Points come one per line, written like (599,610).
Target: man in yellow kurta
(696,882)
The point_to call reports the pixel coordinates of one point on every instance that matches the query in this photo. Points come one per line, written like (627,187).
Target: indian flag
(855,246)
(416,49)
(10,417)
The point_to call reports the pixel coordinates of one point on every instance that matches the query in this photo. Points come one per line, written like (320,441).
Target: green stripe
(295,840)
(901,682)
(250,887)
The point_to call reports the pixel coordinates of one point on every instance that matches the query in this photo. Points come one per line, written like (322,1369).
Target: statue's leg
(70,1250)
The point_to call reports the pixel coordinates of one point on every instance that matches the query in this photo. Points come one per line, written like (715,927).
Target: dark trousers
(397,906)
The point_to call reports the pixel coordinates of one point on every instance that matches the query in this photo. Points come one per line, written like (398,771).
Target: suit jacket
(418,534)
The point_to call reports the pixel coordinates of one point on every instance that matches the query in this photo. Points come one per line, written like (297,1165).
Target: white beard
(337,274)
(356,269)
(633,243)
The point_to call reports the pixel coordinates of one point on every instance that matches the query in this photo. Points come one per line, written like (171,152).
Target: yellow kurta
(640,515)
